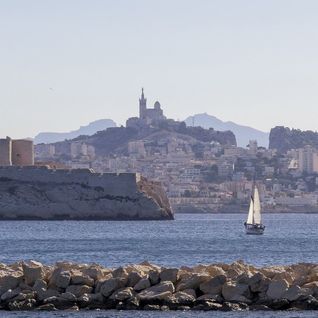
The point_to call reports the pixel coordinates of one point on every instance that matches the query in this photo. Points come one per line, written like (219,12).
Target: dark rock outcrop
(283,139)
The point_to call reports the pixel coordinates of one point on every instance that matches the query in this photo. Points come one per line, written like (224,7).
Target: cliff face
(43,194)
(284,138)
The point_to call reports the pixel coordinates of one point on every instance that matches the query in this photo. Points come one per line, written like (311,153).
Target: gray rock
(170,274)
(60,278)
(32,271)
(82,280)
(152,307)
(142,284)
(46,293)
(123,294)
(9,294)
(211,298)
(181,299)
(133,278)
(294,292)
(9,282)
(79,290)
(39,285)
(214,285)
(154,277)
(111,285)
(236,292)
(277,289)
(69,296)
(158,292)
(192,282)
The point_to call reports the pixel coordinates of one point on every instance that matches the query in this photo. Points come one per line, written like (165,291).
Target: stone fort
(16,152)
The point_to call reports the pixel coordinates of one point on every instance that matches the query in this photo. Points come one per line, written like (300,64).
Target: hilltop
(115,140)
(283,138)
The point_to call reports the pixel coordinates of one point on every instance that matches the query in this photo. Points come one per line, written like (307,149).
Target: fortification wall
(42,193)
(5,152)
(116,184)
(22,152)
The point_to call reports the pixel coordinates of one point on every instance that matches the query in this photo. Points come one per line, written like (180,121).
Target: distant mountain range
(90,129)
(243,134)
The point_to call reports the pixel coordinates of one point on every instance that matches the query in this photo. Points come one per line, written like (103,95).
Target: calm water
(140,314)
(189,240)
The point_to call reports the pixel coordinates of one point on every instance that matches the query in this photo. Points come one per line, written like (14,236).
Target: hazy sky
(64,63)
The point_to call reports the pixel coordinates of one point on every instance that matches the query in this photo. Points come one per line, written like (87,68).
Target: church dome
(157,105)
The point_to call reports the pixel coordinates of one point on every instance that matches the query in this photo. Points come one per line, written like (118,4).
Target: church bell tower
(142,105)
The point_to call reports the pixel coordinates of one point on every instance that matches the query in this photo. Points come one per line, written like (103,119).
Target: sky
(65,63)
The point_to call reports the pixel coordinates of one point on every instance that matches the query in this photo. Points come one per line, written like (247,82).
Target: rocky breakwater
(68,286)
(44,194)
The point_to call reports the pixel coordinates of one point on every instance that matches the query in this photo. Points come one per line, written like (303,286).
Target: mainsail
(257,207)
(250,218)
(254,213)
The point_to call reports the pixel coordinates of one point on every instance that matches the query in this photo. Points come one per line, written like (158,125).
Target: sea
(188,240)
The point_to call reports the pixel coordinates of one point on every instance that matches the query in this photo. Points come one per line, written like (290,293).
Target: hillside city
(202,170)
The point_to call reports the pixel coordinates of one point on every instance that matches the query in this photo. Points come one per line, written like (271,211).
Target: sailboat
(254,225)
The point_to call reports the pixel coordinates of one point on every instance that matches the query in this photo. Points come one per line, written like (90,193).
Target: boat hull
(251,229)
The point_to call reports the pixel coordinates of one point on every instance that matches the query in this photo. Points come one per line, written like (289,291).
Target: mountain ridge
(242,133)
(90,129)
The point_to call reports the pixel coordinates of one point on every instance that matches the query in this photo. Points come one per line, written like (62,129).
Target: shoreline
(224,287)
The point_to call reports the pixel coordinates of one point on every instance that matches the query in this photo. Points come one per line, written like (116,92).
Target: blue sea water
(189,240)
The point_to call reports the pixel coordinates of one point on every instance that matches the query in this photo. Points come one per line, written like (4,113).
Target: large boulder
(134,278)
(32,271)
(10,280)
(111,285)
(182,299)
(235,292)
(60,278)
(79,290)
(258,283)
(170,274)
(154,276)
(312,287)
(9,294)
(95,272)
(294,292)
(121,273)
(81,279)
(47,293)
(214,285)
(144,283)
(192,281)
(214,270)
(277,288)
(123,294)
(158,292)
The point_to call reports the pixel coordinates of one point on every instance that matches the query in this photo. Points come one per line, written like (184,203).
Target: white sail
(250,218)
(257,207)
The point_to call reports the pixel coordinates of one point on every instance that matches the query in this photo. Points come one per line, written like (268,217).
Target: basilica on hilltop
(147,116)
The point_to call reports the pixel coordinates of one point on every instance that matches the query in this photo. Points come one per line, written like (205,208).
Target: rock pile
(69,286)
